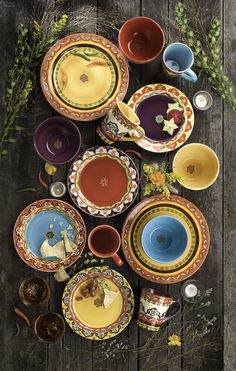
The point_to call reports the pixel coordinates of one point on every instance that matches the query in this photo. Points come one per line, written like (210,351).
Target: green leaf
(11,140)
(19,128)
(27,189)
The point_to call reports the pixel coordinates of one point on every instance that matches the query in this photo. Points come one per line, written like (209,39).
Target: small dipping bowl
(141,39)
(202,100)
(34,290)
(57,140)
(198,165)
(164,239)
(49,327)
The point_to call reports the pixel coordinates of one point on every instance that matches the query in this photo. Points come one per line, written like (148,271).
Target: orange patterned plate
(46,219)
(82,75)
(196,252)
(151,103)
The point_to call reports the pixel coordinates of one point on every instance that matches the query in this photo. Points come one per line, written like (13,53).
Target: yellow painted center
(97,317)
(80,85)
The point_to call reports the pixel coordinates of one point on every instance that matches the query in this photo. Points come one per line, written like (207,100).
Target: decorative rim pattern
(187,127)
(82,202)
(46,76)
(179,274)
(20,227)
(98,333)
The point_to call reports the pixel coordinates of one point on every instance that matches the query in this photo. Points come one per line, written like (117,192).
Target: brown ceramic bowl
(141,39)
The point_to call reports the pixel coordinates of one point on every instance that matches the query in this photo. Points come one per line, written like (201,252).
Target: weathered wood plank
(229,211)
(208,130)
(129,335)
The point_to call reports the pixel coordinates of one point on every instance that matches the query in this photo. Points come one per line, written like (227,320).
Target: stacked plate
(165,240)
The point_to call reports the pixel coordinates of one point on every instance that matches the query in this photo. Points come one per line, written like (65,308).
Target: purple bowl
(57,140)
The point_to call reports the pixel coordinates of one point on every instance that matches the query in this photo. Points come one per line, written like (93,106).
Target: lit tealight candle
(202,100)
(191,290)
(57,189)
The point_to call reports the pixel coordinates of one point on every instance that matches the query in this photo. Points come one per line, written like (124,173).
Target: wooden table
(216,128)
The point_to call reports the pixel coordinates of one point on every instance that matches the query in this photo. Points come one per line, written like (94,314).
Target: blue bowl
(164,239)
(47,223)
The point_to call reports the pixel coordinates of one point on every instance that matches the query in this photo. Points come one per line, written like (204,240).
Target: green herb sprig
(32,43)
(206,47)
(158,180)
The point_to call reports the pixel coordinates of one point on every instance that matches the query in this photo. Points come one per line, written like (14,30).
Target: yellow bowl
(198,165)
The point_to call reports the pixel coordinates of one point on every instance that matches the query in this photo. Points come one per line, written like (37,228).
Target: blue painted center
(48,223)
(164,239)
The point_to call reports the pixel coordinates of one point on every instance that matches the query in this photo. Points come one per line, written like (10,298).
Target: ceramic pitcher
(153,309)
(119,123)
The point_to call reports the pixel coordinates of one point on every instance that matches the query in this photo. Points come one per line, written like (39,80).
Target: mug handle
(134,139)
(189,75)
(117,260)
(176,312)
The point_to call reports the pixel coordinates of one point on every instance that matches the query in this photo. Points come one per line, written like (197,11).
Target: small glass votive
(57,189)
(49,327)
(192,291)
(33,291)
(202,100)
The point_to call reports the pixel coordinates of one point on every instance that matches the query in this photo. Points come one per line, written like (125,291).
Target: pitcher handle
(176,312)
(134,139)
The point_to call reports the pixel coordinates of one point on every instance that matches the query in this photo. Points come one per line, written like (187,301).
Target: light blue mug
(178,59)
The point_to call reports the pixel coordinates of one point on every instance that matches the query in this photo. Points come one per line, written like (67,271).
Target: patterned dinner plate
(82,75)
(46,219)
(103,181)
(151,104)
(198,239)
(92,321)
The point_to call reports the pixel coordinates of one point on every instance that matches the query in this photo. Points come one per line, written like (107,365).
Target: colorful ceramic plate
(103,181)
(150,104)
(46,219)
(97,322)
(82,75)
(197,231)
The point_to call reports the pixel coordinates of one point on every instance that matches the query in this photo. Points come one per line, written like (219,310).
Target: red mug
(104,241)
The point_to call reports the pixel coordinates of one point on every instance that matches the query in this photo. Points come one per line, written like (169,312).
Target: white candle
(57,189)
(201,100)
(191,290)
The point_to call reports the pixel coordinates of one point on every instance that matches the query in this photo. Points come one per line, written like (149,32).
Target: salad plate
(103,181)
(46,220)
(165,271)
(165,114)
(98,303)
(83,75)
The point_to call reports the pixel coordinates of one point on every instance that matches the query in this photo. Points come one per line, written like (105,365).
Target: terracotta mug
(119,122)
(104,241)
(153,309)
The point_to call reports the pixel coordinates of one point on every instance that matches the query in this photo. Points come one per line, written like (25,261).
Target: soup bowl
(164,239)
(198,165)
(57,140)
(141,39)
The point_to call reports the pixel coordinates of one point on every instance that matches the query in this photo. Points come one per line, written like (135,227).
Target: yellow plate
(98,323)
(82,76)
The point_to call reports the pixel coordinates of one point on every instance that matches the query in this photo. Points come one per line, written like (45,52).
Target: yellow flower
(174,340)
(158,178)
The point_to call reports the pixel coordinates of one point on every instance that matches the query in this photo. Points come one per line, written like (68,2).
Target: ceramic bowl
(57,140)
(141,39)
(198,165)
(164,239)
